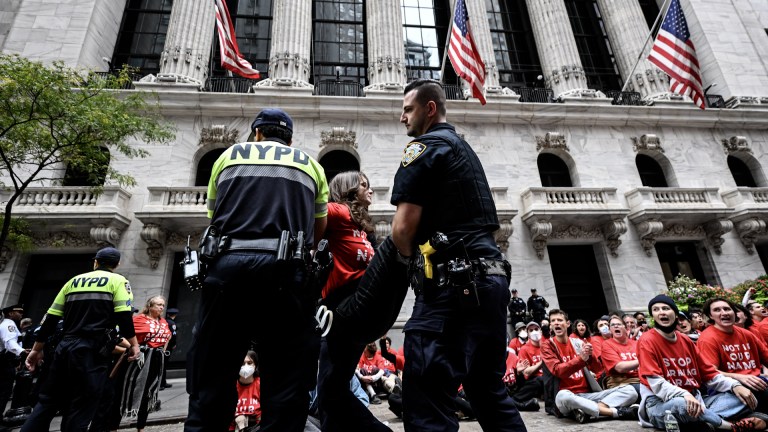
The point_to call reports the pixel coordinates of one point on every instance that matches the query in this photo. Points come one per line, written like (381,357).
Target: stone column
(627,31)
(559,56)
(188,42)
(481,33)
(291,41)
(386,53)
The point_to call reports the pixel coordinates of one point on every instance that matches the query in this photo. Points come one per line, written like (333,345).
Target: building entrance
(578,283)
(46,275)
(680,258)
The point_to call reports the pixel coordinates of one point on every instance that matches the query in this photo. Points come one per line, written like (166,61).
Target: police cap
(172,311)
(13,308)
(272,117)
(514,289)
(107,255)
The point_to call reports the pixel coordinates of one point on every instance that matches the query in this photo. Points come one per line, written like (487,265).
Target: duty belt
(262,245)
(482,267)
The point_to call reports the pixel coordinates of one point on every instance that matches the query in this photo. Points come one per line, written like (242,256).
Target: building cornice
(496,111)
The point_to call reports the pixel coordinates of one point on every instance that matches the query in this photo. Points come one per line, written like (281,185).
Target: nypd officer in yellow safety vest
(91,305)
(260,193)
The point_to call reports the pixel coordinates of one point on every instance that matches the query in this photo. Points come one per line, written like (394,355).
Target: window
(339,41)
(205,166)
(553,171)
(142,35)
(741,172)
(594,48)
(513,43)
(425,29)
(337,161)
(95,176)
(651,173)
(650,11)
(253,29)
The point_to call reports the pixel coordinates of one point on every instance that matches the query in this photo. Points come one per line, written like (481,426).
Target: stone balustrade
(565,198)
(171,198)
(692,199)
(54,197)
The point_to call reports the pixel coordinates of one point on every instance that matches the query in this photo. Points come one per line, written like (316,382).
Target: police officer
(10,351)
(516,308)
(170,317)
(258,190)
(91,305)
(457,331)
(537,305)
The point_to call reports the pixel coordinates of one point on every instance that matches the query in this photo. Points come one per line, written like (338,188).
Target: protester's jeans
(718,407)
(567,401)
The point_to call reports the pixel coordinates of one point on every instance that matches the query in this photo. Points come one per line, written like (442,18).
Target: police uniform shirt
(517,306)
(436,176)
(9,334)
(252,182)
(89,301)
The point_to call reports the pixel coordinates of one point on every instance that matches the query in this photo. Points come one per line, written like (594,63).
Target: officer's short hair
(279,132)
(428,90)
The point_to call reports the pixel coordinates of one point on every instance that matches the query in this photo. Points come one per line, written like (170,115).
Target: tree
(53,116)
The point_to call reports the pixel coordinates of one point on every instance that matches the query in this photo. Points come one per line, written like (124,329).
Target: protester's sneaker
(580,416)
(748,424)
(375,400)
(627,413)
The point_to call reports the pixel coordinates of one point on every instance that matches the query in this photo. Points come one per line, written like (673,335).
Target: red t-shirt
(516,344)
(510,375)
(676,362)
(151,332)
(738,352)
(565,364)
(614,352)
(532,354)
(349,245)
(399,360)
(248,397)
(371,366)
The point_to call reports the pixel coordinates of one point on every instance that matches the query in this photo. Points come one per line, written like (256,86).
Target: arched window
(253,29)
(142,35)
(425,28)
(95,176)
(337,161)
(651,173)
(205,166)
(553,171)
(595,50)
(741,172)
(339,41)
(513,43)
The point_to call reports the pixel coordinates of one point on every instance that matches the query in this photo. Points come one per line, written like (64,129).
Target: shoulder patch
(128,287)
(12,328)
(412,152)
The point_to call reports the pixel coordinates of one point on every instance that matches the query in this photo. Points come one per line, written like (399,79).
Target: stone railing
(171,198)
(550,198)
(702,198)
(750,213)
(746,197)
(68,199)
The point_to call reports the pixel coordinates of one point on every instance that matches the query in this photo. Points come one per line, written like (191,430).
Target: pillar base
(283,84)
(158,86)
(582,96)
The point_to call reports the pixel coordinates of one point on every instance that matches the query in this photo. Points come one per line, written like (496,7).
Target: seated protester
(698,320)
(601,333)
(642,323)
(734,352)
(757,312)
(248,410)
(514,369)
(620,357)
(568,360)
(743,319)
(631,324)
(394,358)
(520,339)
(374,376)
(580,330)
(684,326)
(672,374)
(531,384)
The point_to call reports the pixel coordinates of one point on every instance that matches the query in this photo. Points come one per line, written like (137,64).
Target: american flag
(673,52)
(463,53)
(231,59)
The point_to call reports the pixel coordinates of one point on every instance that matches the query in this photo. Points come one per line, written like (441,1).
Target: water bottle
(670,422)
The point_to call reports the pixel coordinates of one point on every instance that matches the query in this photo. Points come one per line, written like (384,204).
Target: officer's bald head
(426,91)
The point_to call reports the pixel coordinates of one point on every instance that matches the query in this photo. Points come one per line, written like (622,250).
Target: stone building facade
(600,203)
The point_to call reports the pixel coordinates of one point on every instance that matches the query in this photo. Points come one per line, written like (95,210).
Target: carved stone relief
(611,232)
(63,239)
(551,140)
(749,230)
(540,232)
(736,144)
(649,142)
(715,230)
(154,237)
(105,236)
(338,136)
(648,231)
(502,235)
(218,134)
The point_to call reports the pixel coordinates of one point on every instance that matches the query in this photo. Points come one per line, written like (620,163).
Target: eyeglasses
(617,325)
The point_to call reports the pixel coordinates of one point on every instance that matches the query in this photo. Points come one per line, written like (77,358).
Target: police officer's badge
(412,151)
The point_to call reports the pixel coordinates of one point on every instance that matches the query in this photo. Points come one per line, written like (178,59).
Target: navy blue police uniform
(516,310)
(91,305)
(256,191)
(453,338)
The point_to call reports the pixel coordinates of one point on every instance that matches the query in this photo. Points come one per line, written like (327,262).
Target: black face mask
(545,331)
(667,329)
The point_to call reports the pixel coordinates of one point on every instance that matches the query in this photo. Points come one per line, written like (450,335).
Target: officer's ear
(431,108)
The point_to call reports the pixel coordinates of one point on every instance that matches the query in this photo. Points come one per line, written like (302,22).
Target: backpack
(551,386)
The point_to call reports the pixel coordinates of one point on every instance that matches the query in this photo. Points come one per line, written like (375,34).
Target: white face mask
(535,335)
(605,330)
(247,370)
(522,334)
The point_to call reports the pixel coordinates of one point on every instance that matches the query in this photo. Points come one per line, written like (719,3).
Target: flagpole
(662,13)
(447,41)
